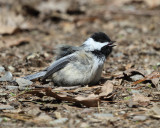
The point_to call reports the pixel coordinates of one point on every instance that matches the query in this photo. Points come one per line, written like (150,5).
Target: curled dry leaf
(128,73)
(139,76)
(90,101)
(7,29)
(154,77)
(106,89)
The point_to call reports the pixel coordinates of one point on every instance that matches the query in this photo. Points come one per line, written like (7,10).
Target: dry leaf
(154,112)
(119,2)
(90,101)
(43,117)
(47,6)
(128,66)
(14,42)
(128,73)
(17,116)
(152,3)
(154,77)
(7,29)
(140,99)
(11,22)
(106,89)
(5,107)
(33,111)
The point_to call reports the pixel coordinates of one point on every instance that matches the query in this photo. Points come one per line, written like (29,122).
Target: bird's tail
(35,76)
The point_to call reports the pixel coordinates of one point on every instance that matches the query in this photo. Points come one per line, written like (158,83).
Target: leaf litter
(91,100)
(128,94)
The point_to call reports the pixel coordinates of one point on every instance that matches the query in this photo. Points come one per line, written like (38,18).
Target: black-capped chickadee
(78,65)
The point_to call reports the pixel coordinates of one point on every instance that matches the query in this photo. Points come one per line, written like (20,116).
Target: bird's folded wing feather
(54,67)
(58,64)
(35,76)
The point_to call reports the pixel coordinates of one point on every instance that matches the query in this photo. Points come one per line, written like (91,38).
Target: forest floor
(128,94)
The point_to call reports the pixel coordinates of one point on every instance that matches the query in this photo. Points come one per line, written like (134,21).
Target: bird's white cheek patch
(93,45)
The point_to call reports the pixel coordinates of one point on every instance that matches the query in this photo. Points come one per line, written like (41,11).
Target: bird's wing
(64,50)
(58,64)
(35,76)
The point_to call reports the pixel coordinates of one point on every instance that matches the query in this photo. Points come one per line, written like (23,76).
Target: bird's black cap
(100,37)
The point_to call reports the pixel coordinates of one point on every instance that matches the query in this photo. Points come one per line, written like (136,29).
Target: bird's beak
(111,44)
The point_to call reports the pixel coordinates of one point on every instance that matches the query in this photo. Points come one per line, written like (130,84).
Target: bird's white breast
(86,69)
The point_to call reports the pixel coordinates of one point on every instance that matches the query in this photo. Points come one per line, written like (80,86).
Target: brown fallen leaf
(156,109)
(152,3)
(14,42)
(32,111)
(90,101)
(149,3)
(154,77)
(47,6)
(128,66)
(25,117)
(43,117)
(106,89)
(156,80)
(139,99)
(11,22)
(119,3)
(154,112)
(22,117)
(7,29)
(128,73)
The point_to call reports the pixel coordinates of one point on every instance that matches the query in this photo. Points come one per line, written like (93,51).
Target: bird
(78,65)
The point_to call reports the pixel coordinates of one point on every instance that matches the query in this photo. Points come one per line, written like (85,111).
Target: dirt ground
(128,94)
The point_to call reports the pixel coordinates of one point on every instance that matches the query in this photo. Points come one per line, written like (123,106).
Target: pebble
(139,118)
(136,77)
(7,76)
(10,87)
(59,121)
(122,112)
(134,91)
(6,107)
(1,120)
(3,93)
(23,82)
(2,69)
(103,115)
(21,88)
